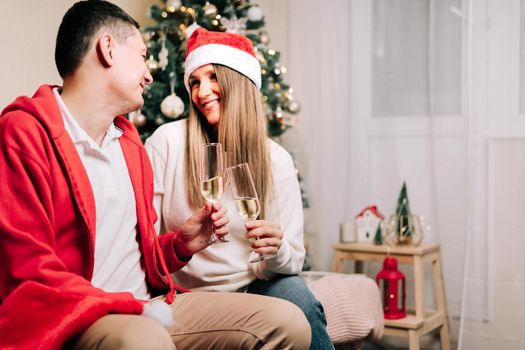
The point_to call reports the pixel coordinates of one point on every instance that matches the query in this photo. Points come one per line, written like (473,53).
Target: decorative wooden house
(367,222)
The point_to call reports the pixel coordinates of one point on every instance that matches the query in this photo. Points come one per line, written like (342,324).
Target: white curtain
(427,92)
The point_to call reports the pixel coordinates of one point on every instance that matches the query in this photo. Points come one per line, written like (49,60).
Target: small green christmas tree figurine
(404,221)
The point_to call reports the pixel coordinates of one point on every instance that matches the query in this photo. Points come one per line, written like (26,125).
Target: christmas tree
(167,99)
(404,221)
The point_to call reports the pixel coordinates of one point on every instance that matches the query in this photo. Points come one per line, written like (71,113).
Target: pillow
(352,306)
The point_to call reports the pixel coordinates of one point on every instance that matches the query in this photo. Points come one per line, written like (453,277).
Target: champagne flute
(212,180)
(245,196)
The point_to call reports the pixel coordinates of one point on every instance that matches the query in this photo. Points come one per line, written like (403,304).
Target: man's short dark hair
(79,25)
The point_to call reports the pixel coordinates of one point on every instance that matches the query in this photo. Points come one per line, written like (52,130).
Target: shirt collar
(75,131)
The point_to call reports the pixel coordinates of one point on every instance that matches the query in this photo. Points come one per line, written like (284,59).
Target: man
(80,257)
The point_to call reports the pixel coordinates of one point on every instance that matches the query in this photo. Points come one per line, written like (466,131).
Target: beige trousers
(206,320)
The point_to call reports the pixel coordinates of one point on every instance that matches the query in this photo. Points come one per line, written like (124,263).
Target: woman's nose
(204,89)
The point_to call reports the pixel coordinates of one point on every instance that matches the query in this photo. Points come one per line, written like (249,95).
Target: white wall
(27,41)
(482,193)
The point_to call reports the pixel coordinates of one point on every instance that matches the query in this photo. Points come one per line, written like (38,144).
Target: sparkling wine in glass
(212,179)
(245,196)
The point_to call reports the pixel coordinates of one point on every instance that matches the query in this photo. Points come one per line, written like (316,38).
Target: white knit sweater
(225,266)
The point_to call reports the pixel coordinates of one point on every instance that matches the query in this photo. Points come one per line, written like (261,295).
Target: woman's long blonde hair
(241,130)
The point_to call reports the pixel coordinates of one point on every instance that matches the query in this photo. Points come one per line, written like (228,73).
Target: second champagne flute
(212,179)
(245,196)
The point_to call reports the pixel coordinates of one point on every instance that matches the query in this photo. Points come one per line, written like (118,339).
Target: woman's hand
(267,236)
(194,234)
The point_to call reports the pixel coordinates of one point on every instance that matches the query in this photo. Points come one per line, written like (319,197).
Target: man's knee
(143,333)
(130,332)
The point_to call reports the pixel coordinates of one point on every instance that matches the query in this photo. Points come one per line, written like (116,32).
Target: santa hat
(228,49)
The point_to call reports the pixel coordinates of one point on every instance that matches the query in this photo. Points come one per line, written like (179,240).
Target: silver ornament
(255,14)
(172,106)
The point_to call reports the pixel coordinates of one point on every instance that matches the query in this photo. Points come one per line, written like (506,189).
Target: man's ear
(105,46)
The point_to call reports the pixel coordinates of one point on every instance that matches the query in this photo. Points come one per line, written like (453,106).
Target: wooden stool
(422,321)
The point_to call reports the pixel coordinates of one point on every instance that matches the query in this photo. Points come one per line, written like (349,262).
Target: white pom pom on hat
(228,49)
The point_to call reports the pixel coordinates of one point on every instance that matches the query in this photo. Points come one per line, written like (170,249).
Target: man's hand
(194,234)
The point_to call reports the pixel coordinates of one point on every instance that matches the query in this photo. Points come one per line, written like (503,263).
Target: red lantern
(390,280)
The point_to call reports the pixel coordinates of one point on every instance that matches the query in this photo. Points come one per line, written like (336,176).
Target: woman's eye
(213,76)
(194,83)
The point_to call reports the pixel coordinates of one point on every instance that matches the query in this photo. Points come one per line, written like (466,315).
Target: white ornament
(255,14)
(172,106)
(163,53)
(174,3)
(163,58)
(234,25)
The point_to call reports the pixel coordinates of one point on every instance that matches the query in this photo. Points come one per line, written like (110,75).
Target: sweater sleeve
(285,207)
(157,147)
(158,163)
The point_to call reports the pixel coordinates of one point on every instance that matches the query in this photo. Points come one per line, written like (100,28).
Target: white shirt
(225,266)
(117,255)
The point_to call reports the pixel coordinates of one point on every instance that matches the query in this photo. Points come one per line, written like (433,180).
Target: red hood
(42,106)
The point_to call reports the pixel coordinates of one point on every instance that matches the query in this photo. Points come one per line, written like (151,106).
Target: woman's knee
(289,321)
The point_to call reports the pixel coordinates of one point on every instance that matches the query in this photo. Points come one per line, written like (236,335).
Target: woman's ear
(105,47)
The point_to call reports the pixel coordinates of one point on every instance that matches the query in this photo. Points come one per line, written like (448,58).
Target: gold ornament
(293,106)
(137,118)
(152,64)
(209,10)
(172,106)
(278,115)
(191,12)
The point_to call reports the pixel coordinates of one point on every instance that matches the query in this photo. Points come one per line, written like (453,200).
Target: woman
(223,76)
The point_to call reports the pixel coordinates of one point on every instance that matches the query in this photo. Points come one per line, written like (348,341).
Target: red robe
(47,229)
